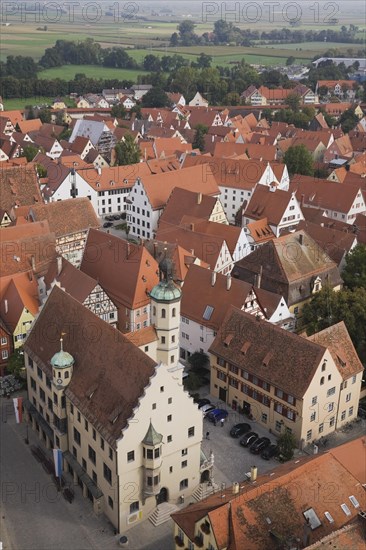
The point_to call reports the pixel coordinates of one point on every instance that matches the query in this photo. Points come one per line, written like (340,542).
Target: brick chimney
(228,282)
(259,277)
(59,265)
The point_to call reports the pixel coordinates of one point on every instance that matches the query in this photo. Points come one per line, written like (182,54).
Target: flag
(18,402)
(57,457)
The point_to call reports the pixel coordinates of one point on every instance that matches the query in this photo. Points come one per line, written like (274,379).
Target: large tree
(199,137)
(127,151)
(299,161)
(328,308)
(354,272)
(156,97)
(30,151)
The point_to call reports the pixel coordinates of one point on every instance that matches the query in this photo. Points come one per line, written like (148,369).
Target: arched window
(322,380)
(67,374)
(163,313)
(59,374)
(173,312)
(154,310)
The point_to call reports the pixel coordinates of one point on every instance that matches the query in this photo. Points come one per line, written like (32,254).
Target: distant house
(127,102)
(272,96)
(58,104)
(341,148)
(198,101)
(149,196)
(281,209)
(69,220)
(19,305)
(80,286)
(126,272)
(297,275)
(98,132)
(139,90)
(340,202)
(177,99)
(206,297)
(341,88)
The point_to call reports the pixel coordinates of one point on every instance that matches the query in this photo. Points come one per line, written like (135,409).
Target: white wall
(131,473)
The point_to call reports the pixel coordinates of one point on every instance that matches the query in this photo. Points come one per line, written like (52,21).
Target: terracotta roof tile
(125,271)
(198,292)
(24,245)
(20,292)
(64,217)
(19,186)
(324,194)
(159,187)
(339,343)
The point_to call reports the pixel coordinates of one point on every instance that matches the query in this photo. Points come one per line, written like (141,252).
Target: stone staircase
(204,490)
(162,512)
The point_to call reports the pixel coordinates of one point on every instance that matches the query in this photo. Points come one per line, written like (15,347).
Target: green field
(25,39)
(67,72)
(14,104)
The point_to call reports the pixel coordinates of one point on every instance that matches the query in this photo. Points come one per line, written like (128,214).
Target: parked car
(207,408)
(240,429)
(107,224)
(109,218)
(269,452)
(116,217)
(217,415)
(249,439)
(202,402)
(260,445)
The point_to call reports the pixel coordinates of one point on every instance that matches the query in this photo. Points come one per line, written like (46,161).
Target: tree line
(227,33)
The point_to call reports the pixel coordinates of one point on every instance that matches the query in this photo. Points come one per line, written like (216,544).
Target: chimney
(199,198)
(59,265)
(228,282)
(6,306)
(253,473)
(302,199)
(33,261)
(99,170)
(259,277)
(155,250)
(301,239)
(213,278)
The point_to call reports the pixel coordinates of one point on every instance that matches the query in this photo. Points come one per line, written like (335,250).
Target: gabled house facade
(113,427)
(281,208)
(247,368)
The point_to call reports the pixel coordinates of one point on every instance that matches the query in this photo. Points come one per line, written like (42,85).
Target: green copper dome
(62,359)
(152,437)
(166,291)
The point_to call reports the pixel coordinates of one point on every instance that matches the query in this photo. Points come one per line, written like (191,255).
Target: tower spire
(61,341)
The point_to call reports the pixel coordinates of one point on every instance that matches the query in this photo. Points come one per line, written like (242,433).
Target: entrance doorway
(162,496)
(246,408)
(205,476)
(222,394)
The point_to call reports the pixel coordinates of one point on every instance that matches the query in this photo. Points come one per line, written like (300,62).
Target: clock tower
(62,367)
